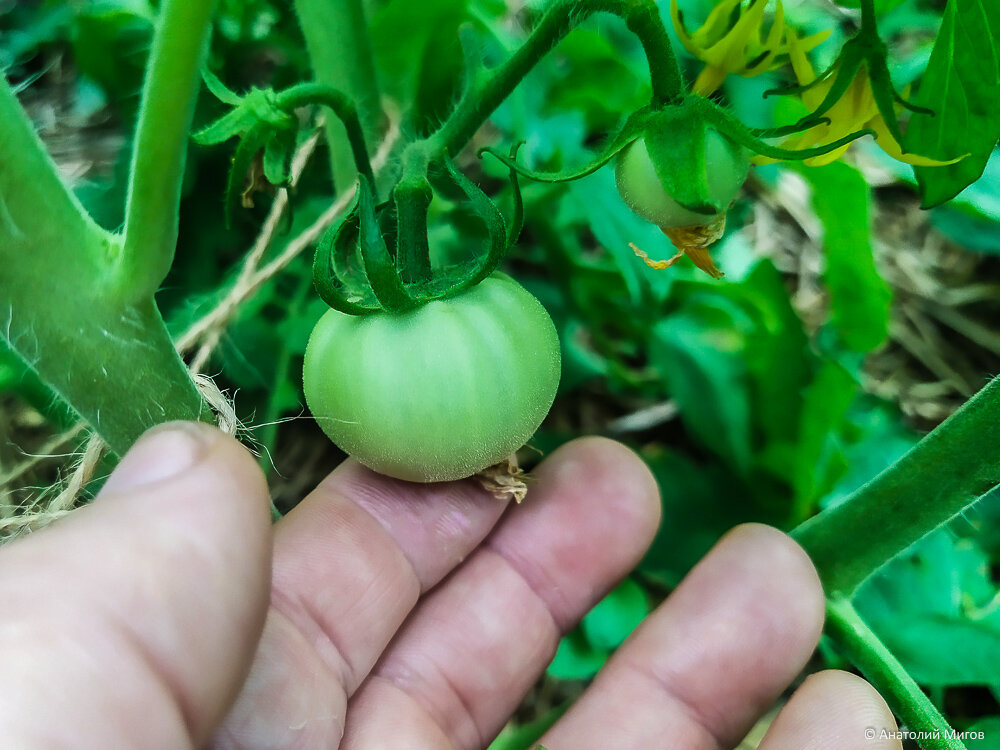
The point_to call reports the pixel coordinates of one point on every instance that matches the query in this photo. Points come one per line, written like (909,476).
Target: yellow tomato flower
(731,41)
(855,110)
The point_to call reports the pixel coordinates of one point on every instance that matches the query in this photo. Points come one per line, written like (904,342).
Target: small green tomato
(726,166)
(440,392)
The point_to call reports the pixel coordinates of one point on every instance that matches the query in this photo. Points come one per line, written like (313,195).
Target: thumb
(132,622)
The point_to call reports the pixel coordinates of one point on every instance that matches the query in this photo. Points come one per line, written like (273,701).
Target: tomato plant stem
(939,478)
(482,97)
(111,360)
(864,649)
(340,53)
(160,148)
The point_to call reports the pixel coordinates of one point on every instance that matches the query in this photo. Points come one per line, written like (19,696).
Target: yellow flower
(855,110)
(731,41)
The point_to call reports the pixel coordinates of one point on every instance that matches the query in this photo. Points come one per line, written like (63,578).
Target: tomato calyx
(391,238)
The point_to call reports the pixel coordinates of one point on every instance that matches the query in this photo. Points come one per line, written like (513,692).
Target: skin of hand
(170,613)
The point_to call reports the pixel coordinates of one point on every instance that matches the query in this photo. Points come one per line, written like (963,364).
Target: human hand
(381,614)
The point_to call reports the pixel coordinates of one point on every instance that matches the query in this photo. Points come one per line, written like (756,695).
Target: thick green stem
(160,148)
(868,22)
(864,649)
(113,362)
(938,479)
(341,55)
(481,98)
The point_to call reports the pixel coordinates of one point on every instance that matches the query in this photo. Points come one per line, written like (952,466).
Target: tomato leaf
(700,352)
(942,590)
(962,86)
(859,296)
(609,623)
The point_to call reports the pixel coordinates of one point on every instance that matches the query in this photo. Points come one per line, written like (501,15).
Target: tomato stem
(154,192)
(483,97)
(343,106)
(863,648)
(911,498)
(340,54)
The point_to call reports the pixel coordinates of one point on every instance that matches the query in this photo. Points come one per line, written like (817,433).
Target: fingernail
(163,452)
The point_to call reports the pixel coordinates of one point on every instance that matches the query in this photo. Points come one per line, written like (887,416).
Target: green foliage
(583,652)
(962,86)
(943,592)
(859,296)
(761,411)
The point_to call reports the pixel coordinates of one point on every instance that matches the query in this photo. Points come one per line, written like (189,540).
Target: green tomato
(436,393)
(726,166)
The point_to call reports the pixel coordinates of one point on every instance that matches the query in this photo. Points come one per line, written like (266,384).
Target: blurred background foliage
(849,322)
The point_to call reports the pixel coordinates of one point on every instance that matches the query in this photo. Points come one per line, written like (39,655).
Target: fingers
(350,563)
(712,658)
(476,645)
(132,622)
(833,710)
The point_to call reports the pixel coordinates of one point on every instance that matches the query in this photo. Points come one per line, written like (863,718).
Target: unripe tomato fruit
(726,166)
(440,392)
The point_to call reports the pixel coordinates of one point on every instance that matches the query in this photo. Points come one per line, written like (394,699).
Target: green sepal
(380,267)
(247,149)
(796,127)
(631,130)
(471,274)
(675,139)
(324,278)
(866,49)
(218,89)
(728,125)
(517,220)
(236,122)
(277,157)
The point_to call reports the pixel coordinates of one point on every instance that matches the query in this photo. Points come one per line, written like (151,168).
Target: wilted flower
(732,41)
(693,242)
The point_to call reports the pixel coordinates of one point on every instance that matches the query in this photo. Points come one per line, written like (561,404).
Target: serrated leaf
(859,296)
(962,86)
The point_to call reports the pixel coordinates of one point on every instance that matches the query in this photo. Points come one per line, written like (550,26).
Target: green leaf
(990,729)
(418,53)
(614,226)
(881,6)
(941,589)
(701,501)
(525,736)
(819,461)
(699,351)
(962,86)
(576,658)
(859,296)
(609,623)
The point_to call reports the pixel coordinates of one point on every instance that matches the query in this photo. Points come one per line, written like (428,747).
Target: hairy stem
(111,361)
(341,55)
(481,99)
(939,478)
(168,97)
(864,649)
(868,23)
